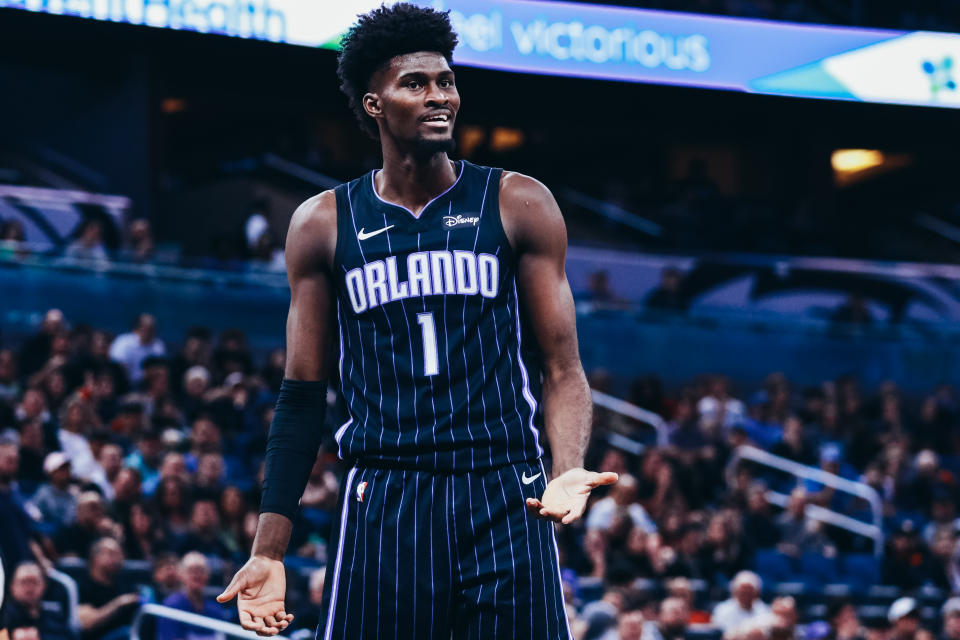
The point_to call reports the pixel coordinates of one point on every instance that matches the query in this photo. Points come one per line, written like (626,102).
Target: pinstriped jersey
(430,333)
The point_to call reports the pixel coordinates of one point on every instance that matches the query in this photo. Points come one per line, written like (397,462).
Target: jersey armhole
(493,205)
(340,195)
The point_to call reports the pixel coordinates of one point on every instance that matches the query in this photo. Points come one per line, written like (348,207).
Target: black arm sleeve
(292,445)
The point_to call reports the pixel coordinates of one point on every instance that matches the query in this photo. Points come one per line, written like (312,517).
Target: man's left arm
(536,230)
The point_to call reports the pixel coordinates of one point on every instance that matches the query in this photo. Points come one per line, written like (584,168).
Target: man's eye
(413,84)
(446,83)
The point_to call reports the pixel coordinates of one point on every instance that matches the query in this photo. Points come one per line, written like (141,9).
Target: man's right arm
(260,585)
(311,242)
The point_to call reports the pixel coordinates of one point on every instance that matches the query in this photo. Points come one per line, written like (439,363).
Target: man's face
(27,586)
(194,577)
(415,100)
(951,625)
(907,625)
(109,559)
(9,462)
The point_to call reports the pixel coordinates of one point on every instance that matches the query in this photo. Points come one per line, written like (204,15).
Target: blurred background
(764,220)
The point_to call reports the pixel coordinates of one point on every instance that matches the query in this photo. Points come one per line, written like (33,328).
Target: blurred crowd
(134,467)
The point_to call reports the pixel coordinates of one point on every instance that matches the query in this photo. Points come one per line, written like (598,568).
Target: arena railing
(628,410)
(73,597)
(196,620)
(872,530)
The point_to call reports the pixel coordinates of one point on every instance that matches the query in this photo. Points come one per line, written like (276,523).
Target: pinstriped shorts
(424,555)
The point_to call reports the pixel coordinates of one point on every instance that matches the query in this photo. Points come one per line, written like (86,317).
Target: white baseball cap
(901,607)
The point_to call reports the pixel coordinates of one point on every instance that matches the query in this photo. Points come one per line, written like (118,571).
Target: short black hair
(382,34)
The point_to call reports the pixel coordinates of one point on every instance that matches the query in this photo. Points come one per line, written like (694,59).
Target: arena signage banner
(613,43)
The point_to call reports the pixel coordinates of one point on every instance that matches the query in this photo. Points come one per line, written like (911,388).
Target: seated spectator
(208,483)
(671,623)
(783,619)
(681,588)
(106,606)
(668,296)
(759,528)
(140,245)
(719,408)
(15,532)
(844,623)
(743,607)
(146,459)
(194,575)
(793,445)
(799,534)
(54,502)
(951,619)
(131,349)
(600,293)
(622,498)
(25,608)
(310,612)
(630,626)
(77,421)
(904,618)
(166,575)
(77,539)
(143,538)
(204,535)
(88,244)
(110,460)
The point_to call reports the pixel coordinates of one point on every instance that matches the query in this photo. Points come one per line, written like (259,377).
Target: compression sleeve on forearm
(292,445)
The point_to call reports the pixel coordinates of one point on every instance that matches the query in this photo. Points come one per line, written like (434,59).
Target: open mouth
(437,118)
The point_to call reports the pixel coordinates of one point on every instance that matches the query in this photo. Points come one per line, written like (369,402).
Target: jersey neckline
(373,188)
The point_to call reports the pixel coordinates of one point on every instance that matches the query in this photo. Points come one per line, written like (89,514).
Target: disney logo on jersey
(458,221)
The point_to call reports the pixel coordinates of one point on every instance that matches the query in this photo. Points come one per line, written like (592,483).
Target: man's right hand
(260,587)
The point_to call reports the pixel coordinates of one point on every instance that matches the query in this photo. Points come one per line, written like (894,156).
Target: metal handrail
(73,596)
(196,620)
(812,511)
(624,408)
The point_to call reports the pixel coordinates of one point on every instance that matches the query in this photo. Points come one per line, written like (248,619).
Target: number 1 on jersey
(431,364)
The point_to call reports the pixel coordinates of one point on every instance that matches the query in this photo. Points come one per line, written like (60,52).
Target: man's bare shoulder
(312,236)
(527,208)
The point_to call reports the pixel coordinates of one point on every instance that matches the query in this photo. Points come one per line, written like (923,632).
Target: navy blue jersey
(430,333)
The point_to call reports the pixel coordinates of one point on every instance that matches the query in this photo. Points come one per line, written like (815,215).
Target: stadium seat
(861,571)
(703,633)
(773,566)
(817,569)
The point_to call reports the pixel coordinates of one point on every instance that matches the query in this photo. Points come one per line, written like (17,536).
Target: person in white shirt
(743,607)
(131,349)
(623,495)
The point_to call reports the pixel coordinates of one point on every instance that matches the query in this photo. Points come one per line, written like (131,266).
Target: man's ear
(371,104)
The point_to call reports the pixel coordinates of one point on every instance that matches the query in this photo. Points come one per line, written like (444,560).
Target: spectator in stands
(904,560)
(15,532)
(310,612)
(196,383)
(25,606)
(9,381)
(799,534)
(718,407)
(171,505)
(671,623)
(194,574)
(110,460)
(668,296)
(783,619)
(208,482)
(88,244)
(759,526)
(682,588)
(793,444)
(133,348)
(91,523)
(143,537)
(904,618)
(204,535)
(599,293)
(621,500)
(630,626)
(744,606)
(32,455)
(951,619)
(78,421)
(140,244)
(12,240)
(852,313)
(36,350)
(844,624)
(166,575)
(106,606)
(147,458)
(54,501)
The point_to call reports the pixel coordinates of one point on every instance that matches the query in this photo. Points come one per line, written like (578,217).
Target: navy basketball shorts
(426,555)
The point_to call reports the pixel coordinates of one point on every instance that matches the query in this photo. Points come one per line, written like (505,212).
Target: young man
(425,267)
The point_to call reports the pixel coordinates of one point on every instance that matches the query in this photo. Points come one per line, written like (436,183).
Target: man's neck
(100,576)
(412,181)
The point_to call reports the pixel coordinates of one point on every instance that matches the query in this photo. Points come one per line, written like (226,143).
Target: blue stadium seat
(861,571)
(773,566)
(817,569)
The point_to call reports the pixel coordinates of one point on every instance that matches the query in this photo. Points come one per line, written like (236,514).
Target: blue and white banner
(571,39)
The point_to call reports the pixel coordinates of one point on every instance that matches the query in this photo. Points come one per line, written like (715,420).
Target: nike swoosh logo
(527,480)
(363,236)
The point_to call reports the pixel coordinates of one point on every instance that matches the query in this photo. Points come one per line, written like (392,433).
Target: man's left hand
(565,497)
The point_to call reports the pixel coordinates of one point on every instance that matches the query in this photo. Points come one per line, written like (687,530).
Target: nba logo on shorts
(360,489)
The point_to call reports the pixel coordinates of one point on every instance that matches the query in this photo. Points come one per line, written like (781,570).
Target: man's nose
(436,95)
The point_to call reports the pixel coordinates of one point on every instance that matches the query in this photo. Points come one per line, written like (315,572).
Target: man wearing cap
(904,618)
(744,606)
(56,504)
(951,619)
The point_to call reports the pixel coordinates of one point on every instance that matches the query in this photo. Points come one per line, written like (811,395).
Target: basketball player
(425,267)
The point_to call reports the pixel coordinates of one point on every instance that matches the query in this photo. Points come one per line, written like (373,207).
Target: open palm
(565,497)
(260,588)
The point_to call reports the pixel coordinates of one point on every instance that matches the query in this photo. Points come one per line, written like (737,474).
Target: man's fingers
(230,592)
(534,506)
(269,621)
(572,516)
(602,478)
(249,622)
